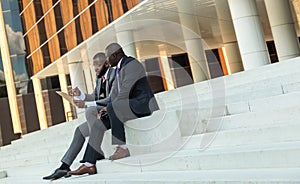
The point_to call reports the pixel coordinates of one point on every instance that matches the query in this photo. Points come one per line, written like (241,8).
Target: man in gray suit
(93,127)
(131,96)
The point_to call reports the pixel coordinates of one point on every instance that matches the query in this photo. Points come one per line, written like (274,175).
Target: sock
(123,146)
(88,164)
(64,166)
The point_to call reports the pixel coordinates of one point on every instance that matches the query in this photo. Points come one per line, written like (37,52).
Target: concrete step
(253,119)
(279,101)
(57,128)
(31,162)
(282,155)
(3,174)
(253,89)
(228,138)
(44,148)
(244,136)
(236,137)
(287,101)
(191,118)
(249,176)
(169,160)
(40,170)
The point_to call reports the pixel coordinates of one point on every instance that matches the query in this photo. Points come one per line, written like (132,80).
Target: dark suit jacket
(134,89)
(96,96)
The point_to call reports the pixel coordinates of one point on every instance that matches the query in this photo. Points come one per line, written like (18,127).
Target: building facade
(178,41)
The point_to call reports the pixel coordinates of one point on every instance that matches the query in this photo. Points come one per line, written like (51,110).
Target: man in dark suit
(93,127)
(131,96)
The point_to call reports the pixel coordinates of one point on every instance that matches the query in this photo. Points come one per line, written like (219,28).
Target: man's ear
(106,64)
(113,56)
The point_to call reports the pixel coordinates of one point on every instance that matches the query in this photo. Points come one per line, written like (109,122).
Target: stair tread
(247,175)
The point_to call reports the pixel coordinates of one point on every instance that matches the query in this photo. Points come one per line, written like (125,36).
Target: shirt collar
(106,73)
(119,64)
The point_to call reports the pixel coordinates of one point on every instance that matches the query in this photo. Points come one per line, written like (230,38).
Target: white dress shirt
(82,95)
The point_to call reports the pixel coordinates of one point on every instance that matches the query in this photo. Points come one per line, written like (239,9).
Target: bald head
(113,48)
(114,53)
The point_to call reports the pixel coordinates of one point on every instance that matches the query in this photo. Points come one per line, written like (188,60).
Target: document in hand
(66,96)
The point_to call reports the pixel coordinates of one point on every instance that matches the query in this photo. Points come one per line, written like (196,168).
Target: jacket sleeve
(92,96)
(103,102)
(129,75)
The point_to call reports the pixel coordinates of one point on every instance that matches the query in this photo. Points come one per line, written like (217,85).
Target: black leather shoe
(58,173)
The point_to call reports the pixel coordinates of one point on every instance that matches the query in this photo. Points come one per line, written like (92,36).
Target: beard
(102,72)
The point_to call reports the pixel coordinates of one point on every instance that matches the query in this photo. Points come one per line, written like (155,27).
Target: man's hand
(74,92)
(79,103)
(102,111)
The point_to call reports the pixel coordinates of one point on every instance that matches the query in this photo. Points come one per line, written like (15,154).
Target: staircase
(241,128)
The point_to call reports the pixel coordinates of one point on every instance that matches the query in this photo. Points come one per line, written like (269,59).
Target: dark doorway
(181,70)
(154,75)
(214,63)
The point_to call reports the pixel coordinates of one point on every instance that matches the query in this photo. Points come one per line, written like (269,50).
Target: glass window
(9,5)
(14,33)
(20,73)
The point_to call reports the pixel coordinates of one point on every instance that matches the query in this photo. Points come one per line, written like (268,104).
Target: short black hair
(99,55)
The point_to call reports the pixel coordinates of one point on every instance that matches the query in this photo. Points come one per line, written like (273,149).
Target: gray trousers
(94,128)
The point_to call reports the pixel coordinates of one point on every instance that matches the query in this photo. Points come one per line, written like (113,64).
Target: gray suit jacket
(134,92)
(96,96)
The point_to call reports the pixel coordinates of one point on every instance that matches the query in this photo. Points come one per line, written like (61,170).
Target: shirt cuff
(91,104)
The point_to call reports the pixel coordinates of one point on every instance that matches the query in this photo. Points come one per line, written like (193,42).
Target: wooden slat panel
(66,8)
(101,14)
(33,36)
(117,8)
(50,26)
(85,19)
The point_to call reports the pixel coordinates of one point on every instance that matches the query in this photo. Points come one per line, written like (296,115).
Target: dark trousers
(117,127)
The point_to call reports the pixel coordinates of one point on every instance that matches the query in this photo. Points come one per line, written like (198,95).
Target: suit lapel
(98,87)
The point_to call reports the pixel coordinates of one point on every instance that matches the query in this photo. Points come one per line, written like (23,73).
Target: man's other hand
(102,111)
(75,92)
(79,103)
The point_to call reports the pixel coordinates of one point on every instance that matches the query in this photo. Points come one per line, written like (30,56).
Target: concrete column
(126,40)
(87,71)
(230,48)
(193,41)
(283,28)
(232,57)
(9,76)
(39,99)
(64,88)
(77,80)
(249,33)
(166,70)
(77,75)
(296,9)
